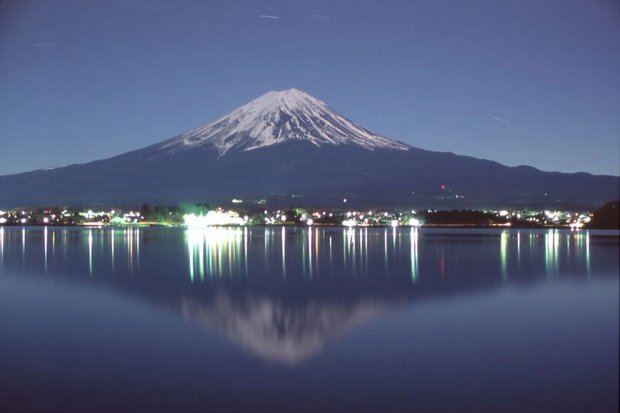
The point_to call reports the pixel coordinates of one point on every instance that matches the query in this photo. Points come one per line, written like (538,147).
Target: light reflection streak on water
(129,241)
(195,245)
(45,247)
(331,261)
(283,242)
(190,254)
(215,251)
(23,246)
(246,236)
(393,238)
(344,248)
(504,238)
(225,251)
(90,252)
(137,242)
(266,243)
(1,248)
(64,244)
(215,259)
(53,246)
(552,241)
(317,250)
(580,239)
(385,249)
(587,236)
(348,246)
(310,252)
(201,257)
(366,250)
(414,254)
(353,246)
(112,247)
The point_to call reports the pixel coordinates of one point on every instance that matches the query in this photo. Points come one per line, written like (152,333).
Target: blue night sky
(532,82)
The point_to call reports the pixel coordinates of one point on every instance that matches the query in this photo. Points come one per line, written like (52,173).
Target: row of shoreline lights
(222,218)
(413,222)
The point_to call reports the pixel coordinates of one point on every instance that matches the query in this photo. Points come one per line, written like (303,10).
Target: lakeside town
(196,215)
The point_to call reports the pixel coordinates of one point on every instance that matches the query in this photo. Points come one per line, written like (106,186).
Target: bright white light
(23,220)
(213,218)
(283,218)
(310,221)
(575,225)
(503,213)
(46,220)
(394,223)
(2,220)
(414,222)
(349,223)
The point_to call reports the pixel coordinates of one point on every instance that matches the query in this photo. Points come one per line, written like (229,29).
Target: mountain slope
(287,143)
(275,118)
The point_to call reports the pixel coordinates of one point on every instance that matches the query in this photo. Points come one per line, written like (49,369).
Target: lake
(308,320)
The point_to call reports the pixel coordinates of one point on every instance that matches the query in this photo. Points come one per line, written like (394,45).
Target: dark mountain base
(298,172)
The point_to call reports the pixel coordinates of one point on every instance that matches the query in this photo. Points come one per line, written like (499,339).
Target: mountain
(288,144)
(276,118)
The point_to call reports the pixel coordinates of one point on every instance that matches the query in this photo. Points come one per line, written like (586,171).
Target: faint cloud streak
(500,119)
(269,16)
(320,16)
(43,44)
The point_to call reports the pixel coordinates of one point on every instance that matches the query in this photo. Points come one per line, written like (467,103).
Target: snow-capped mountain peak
(276,117)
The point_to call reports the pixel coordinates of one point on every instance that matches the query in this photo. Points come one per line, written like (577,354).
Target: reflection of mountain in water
(285,294)
(280,331)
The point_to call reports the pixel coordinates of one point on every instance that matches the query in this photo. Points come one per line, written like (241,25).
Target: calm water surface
(298,319)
